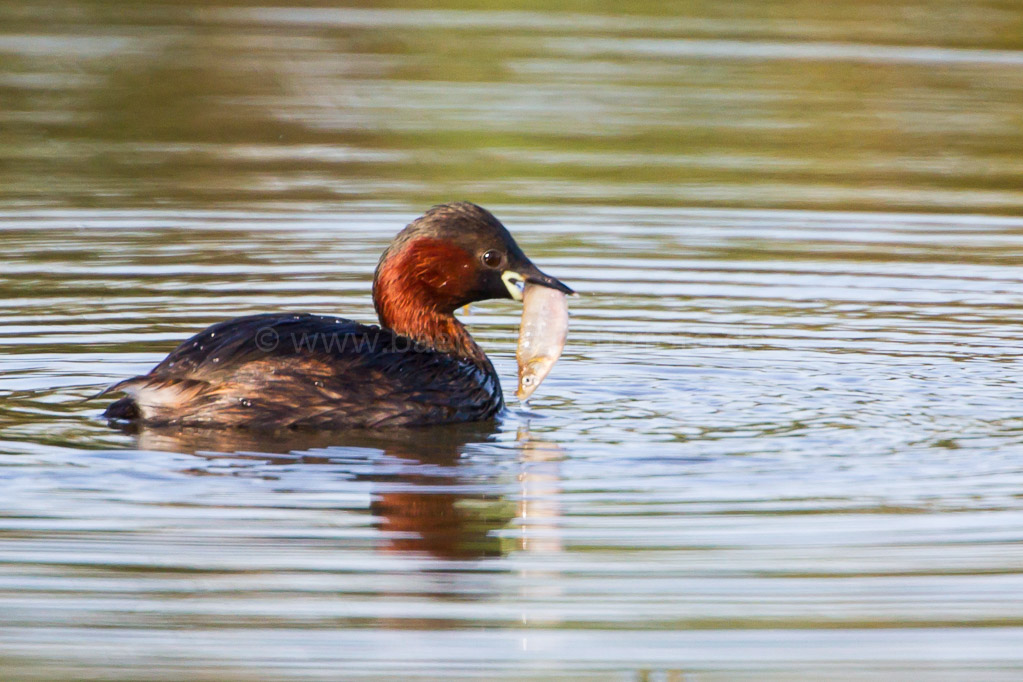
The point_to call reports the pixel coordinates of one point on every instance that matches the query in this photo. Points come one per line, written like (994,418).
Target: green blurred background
(894,105)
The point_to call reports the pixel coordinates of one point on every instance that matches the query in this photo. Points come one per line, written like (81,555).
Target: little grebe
(419,367)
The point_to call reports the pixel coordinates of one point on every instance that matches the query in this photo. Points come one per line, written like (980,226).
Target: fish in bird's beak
(542,332)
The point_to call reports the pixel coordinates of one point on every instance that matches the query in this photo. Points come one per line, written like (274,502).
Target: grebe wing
(275,371)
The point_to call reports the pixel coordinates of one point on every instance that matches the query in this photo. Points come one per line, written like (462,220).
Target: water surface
(783,441)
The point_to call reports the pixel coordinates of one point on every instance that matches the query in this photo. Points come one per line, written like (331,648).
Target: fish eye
(492,258)
(527,381)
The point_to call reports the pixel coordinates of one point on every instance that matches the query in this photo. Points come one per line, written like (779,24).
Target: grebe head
(451,256)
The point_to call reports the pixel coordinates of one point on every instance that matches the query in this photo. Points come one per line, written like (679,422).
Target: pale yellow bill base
(514,283)
(542,335)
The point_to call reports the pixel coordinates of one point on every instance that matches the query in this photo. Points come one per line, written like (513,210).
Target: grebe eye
(492,258)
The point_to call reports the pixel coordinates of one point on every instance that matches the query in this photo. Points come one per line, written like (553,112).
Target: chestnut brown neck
(414,293)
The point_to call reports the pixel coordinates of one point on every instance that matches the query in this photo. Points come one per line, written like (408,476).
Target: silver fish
(542,336)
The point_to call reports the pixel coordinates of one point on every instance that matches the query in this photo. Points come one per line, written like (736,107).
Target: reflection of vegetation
(209,103)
